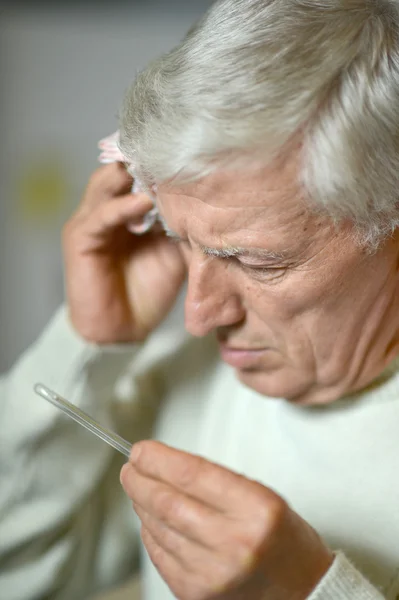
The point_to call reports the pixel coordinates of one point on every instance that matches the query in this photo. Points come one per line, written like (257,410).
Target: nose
(212,299)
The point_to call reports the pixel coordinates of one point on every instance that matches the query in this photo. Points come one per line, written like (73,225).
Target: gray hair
(252,74)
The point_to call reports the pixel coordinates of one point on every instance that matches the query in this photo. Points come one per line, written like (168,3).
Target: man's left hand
(212,533)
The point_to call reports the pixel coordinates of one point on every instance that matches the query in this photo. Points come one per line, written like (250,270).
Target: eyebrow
(230,252)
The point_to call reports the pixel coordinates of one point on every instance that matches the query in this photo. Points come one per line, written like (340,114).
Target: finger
(106,182)
(196,521)
(107,217)
(204,565)
(182,584)
(207,482)
(190,555)
(149,221)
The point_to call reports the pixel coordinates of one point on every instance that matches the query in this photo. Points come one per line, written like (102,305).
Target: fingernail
(135,453)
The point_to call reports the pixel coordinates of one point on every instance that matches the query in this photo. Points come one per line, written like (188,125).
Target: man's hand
(213,534)
(119,286)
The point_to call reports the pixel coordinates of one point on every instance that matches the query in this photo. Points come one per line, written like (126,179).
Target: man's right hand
(119,286)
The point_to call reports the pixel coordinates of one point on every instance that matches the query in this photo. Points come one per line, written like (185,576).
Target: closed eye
(262,271)
(230,255)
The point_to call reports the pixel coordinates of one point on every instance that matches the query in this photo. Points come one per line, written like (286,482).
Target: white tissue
(110,153)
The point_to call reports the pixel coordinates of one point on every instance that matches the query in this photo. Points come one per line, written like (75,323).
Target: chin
(286,386)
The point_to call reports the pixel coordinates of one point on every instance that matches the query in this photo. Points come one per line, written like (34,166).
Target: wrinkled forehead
(259,208)
(271,190)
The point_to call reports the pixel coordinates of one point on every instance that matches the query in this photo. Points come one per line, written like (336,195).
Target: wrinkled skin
(320,314)
(300,309)
(213,534)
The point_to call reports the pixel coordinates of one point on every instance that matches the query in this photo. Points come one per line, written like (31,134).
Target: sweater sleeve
(66,528)
(344,582)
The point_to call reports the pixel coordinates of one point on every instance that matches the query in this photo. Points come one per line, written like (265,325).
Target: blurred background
(64,69)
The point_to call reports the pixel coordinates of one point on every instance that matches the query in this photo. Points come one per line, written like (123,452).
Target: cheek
(283,301)
(297,301)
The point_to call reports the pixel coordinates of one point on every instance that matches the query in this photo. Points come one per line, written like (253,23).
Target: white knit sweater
(66,528)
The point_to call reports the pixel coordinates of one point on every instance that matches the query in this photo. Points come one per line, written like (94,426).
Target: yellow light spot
(42,190)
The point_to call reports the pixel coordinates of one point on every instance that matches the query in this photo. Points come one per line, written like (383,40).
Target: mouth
(242,358)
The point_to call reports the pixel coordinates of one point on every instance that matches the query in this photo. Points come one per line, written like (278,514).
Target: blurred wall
(63,71)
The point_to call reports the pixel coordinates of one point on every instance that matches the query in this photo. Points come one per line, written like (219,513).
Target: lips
(242,358)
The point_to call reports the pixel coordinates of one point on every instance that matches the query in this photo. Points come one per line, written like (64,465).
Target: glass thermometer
(78,415)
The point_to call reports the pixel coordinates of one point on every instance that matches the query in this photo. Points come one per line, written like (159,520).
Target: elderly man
(270,138)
